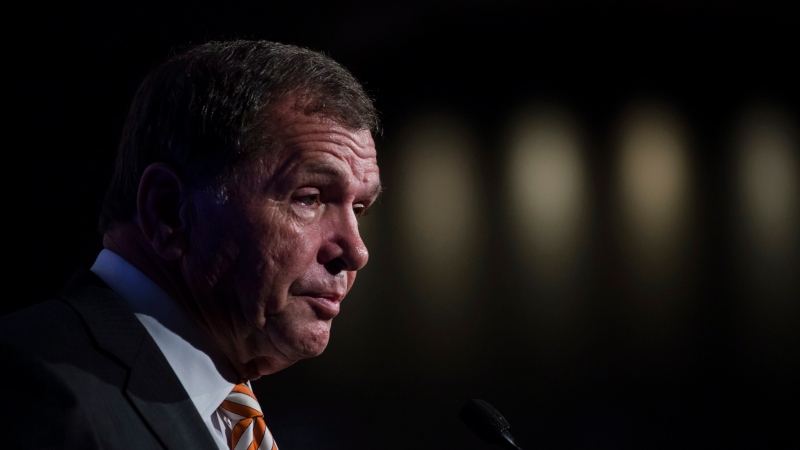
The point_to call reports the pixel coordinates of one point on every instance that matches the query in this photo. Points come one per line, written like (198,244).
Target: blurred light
(768,177)
(654,189)
(547,205)
(546,192)
(769,180)
(441,209)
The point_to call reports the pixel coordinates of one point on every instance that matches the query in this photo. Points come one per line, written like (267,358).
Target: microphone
(481,417)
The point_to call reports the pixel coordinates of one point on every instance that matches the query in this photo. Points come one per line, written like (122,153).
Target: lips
(326,306)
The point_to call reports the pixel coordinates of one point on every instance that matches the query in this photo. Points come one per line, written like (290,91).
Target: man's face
(270,264)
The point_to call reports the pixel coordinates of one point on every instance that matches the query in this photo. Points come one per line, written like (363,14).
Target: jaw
(281,346)
(301,340)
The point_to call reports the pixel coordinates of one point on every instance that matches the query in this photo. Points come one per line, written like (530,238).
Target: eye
(360,210)
(308,199)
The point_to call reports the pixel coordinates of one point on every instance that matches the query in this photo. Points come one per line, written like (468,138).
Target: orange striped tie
(249,430)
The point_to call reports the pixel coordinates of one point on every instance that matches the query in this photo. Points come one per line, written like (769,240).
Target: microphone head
(485,421)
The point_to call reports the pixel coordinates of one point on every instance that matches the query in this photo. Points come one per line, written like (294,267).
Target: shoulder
(68,331)
(51,321)
(57,368)
(55,322)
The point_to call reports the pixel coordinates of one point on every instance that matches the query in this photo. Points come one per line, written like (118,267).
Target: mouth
(325,306)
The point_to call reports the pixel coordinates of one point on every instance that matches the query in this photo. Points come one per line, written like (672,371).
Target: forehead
(319,146)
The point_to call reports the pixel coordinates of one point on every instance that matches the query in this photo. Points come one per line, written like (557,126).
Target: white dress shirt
(200,365)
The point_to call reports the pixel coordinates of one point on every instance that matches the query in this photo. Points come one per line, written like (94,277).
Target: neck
(127,240)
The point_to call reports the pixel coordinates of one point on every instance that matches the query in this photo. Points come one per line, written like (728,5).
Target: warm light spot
(654,188)
(441,208)
(769,180)
(546,191)
(767,149)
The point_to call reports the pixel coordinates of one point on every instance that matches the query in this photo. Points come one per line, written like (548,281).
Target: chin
(302,342)
(313,342)
(313,348)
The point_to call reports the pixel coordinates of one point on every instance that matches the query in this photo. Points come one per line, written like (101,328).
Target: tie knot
(241,404)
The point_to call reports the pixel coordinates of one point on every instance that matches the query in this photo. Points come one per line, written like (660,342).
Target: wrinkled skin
(270,266)
(263,270)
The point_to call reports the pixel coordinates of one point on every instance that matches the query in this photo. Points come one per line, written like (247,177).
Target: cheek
(269,266)
(212,257)
(293,250)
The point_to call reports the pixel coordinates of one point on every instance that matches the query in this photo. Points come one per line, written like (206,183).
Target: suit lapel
(164,403)
(152,388)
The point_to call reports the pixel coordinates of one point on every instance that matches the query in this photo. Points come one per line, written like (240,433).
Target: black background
(74,68)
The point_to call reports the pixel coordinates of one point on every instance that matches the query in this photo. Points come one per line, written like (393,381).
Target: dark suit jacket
(81,372)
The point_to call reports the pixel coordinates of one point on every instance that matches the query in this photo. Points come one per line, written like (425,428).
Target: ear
(161,203)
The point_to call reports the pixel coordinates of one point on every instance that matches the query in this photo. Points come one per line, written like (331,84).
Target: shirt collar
(198,362)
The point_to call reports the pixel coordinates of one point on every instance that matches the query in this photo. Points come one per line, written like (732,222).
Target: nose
(344,250)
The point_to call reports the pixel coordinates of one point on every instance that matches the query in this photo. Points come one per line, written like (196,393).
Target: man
(230,238)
